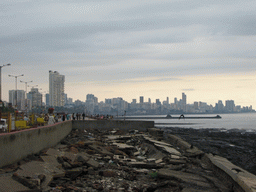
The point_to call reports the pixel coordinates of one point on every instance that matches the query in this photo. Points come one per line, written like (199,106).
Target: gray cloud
(113,40)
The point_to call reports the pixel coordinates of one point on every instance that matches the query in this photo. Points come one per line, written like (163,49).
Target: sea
(241,121)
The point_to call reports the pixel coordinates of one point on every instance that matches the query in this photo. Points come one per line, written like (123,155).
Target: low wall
(18,145)
(235,178)
(110,124)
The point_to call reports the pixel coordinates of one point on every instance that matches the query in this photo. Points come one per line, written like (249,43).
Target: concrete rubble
(112,160)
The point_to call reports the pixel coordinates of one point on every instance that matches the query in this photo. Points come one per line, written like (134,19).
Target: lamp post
(1,79)
(16,95)
(1,103)
(26,86)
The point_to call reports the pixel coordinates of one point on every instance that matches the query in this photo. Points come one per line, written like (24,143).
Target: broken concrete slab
(100,149)
(123,146)
(156,142)
(51,160)
(35,168)
(92,163)
(170,150)
(53,152)
(118,137)
(144,165)
(189,178)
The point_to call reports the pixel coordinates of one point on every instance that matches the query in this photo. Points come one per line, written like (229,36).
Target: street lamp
(1,79)
(26,86)
(16,95)
(1,104)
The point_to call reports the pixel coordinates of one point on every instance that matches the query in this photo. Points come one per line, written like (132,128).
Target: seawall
(20,144)
(113,124)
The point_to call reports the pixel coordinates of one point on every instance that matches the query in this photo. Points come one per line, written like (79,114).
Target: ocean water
(242,121)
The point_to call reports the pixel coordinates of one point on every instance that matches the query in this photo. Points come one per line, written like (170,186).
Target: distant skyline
(155,49)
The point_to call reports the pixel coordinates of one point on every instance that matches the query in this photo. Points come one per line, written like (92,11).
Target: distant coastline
(179,113)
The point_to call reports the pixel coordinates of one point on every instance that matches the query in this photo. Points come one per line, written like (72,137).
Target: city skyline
(151,48)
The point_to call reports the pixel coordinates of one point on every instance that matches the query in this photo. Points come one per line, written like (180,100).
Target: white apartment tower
(56,89)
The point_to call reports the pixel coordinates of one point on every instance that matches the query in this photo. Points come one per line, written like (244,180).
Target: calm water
(245,121)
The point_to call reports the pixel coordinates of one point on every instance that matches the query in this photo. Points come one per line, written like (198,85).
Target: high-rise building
(35,97)
(65,98)
(47,99)
(19,103)
(184,99)
(175,100)
(141,99)
(56,89)
(230,105)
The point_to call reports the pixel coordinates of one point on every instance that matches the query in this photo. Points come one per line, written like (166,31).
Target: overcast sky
(127,49)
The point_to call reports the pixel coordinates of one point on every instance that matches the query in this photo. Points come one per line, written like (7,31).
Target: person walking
(63,117)
(83,115)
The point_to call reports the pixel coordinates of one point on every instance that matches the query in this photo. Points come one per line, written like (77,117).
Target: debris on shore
(113,160)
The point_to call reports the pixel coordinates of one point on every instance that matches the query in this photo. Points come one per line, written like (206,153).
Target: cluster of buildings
(114,106)
(24,101)
(118,106)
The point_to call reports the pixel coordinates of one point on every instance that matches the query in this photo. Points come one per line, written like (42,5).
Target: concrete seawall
(110,124)
(18,145)
(235,178)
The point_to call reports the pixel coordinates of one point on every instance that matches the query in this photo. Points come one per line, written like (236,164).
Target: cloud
(188,89)
(115,41)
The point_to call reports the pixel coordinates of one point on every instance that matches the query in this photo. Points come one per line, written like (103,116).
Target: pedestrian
(56,118)
(83,115)
(77,116)
(73,116)
(63,117)
(51,120)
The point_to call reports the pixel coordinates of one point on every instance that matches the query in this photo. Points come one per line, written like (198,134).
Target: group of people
(59,117)
(78,116)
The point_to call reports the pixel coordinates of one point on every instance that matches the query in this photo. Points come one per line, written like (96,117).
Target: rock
(92,163)
(73,150)
(108,173)
(66,165)
(74,173)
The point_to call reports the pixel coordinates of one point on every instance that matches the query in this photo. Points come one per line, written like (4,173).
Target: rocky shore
(112,160)
(238,146)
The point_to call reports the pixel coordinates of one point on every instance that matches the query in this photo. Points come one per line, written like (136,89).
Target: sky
(115,48)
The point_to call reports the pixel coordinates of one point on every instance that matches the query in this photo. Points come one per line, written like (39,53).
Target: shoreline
(238,146)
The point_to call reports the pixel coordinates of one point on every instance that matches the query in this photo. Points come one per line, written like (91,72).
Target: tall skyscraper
(47,99)
(184,99)
(35,97)
(56,89)
(184,102)
(230,104)
(141,99)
